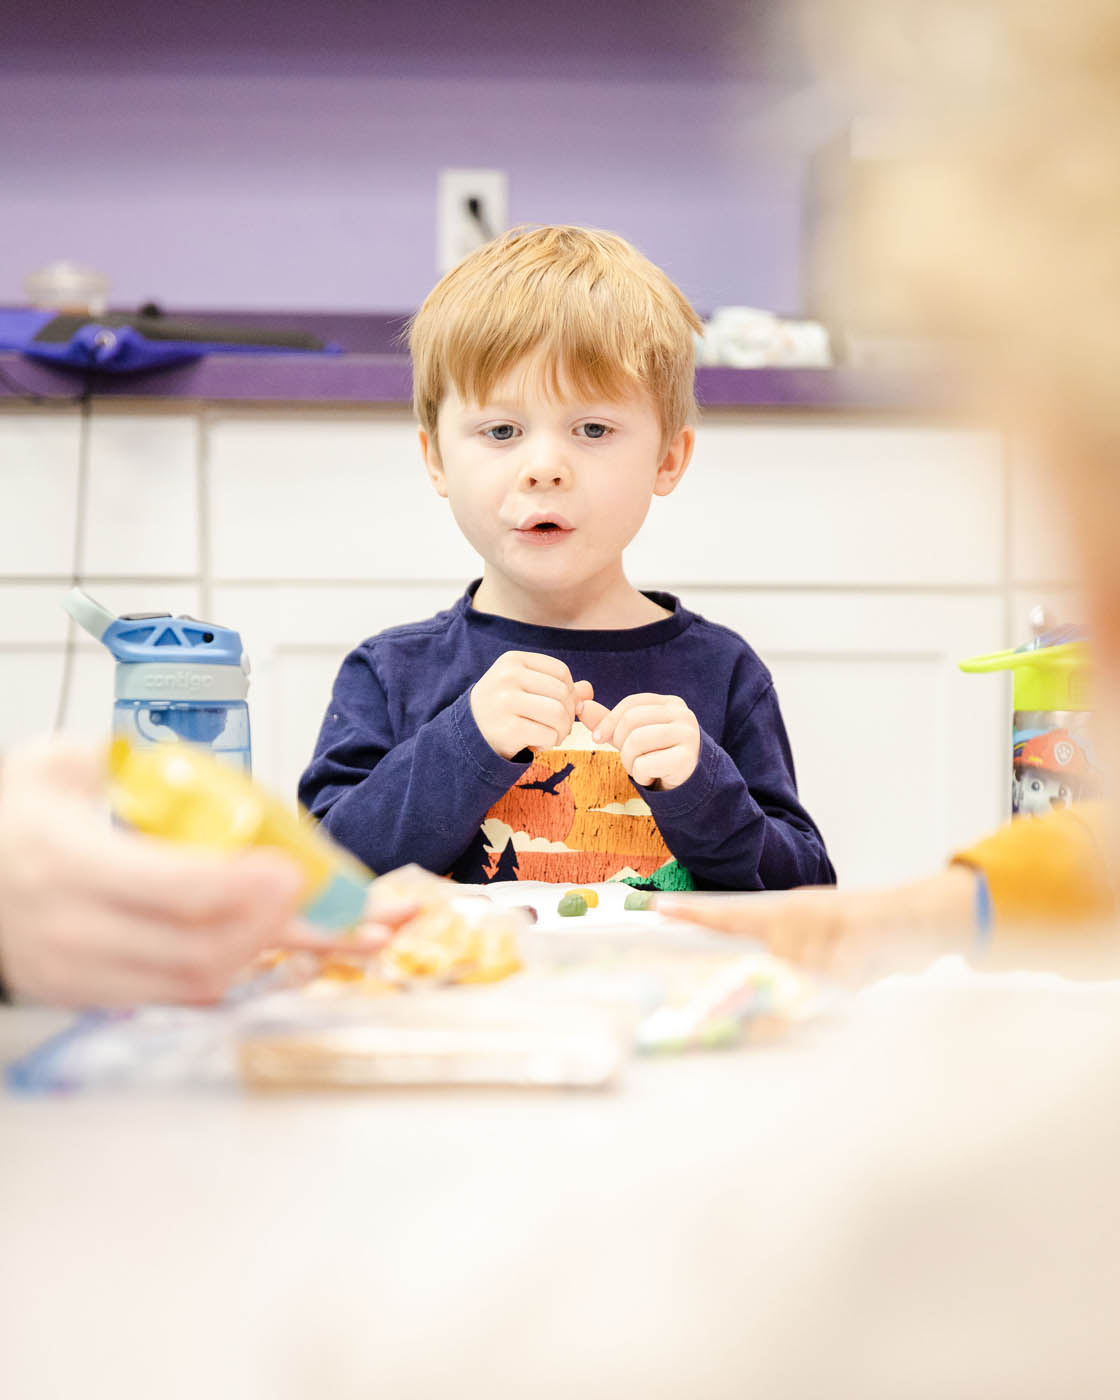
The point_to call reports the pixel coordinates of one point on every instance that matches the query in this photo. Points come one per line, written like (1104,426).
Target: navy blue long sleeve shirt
(401,771)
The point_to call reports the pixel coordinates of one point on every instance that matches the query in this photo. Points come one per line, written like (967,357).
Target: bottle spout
(88,613)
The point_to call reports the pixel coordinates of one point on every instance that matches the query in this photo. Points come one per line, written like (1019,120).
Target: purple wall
(288,157)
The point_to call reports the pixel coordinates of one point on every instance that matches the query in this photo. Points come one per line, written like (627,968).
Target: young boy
(556,723)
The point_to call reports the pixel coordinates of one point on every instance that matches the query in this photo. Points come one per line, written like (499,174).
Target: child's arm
(731,815)
(424,798)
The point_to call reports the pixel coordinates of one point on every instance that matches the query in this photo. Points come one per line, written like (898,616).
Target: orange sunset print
(573,817)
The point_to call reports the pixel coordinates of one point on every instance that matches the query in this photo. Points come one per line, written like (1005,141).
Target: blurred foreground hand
(850,935)
(91,915)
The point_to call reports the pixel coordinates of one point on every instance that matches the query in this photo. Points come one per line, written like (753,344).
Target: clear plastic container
(223,728)
(67,286)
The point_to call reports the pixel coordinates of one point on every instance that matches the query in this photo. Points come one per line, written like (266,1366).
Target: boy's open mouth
(551,526)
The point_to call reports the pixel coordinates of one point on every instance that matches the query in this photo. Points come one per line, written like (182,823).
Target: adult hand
(852,935)
(657,737)
(526,701)
(94,916)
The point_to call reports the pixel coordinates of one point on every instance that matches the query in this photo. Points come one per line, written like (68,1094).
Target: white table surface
(919,1200)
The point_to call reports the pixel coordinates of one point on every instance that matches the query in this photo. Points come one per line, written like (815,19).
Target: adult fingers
(204,955)
(368,937)
(741,914)
(102,984)
(186,884)
(388,911)
(68,765)
(114,965)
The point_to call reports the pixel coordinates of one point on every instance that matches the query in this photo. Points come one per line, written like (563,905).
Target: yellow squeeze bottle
(181,792)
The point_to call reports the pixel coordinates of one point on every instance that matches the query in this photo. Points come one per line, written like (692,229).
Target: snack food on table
(571,905)
(450,935)
(639,899)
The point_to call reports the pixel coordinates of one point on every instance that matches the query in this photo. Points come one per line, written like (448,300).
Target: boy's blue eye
(595,430)
(501,432)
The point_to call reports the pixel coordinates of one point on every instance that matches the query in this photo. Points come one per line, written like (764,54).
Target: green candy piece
(640,899)
(572,905)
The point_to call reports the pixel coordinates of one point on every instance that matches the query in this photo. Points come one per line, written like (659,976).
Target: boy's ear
(677,457)
(430,453)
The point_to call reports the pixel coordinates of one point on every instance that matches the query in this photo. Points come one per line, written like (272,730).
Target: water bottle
(1053,760)
(178,680)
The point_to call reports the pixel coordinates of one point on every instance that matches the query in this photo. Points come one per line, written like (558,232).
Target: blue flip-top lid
(140,637)
(161,637)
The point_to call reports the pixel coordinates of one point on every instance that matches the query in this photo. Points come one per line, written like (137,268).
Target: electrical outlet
(472,208)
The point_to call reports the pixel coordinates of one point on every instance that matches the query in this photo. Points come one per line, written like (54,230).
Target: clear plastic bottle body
(222,726)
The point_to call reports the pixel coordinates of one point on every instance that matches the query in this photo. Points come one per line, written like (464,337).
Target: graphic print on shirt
(573,818)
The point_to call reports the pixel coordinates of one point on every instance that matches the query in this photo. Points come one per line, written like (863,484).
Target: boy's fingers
(643,717)
(541,710)
(539,683)
(626,706)
(583,691)
(540,736)
(595,716)
(648,739)
(547,666)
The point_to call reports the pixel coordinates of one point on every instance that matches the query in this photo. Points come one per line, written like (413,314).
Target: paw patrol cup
(1052,755)
(177,679)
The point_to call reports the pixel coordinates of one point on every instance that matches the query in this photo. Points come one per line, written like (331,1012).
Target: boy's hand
(526,701)
(657,737)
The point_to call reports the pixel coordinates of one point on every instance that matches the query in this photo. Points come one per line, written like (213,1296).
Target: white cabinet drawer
(830,504)
(329,498)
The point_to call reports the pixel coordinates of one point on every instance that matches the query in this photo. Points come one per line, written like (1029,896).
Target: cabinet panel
(329,498)
(830,505)
(142,508)
(900,757)
(38,485)
(29,698)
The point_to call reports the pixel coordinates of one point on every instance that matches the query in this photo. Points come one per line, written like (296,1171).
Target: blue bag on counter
(120,343)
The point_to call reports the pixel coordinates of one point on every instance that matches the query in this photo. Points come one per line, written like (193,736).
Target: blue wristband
(983,911)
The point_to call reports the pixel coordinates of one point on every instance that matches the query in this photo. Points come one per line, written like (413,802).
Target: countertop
(373,369)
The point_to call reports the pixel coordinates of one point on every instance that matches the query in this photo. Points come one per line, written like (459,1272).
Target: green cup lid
(1046,678)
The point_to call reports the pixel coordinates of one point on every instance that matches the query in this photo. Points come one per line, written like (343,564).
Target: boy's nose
(543,470)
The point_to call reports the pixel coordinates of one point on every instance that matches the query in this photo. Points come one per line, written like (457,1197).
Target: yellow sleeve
(1049,869)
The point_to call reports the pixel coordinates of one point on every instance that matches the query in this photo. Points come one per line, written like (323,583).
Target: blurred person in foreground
(998,236)
(94,916)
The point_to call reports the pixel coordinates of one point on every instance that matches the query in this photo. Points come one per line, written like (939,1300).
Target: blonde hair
(605,320)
